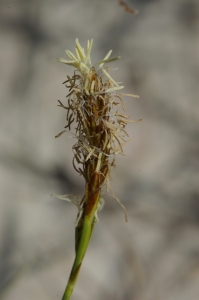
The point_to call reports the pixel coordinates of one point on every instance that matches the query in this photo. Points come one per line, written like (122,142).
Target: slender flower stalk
(100,132)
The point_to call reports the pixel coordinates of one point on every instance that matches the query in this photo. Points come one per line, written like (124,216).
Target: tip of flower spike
(81,60)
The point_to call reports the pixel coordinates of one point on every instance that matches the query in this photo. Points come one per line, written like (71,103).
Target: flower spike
(100,135)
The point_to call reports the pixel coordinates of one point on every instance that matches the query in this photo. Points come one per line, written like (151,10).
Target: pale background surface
(155,256)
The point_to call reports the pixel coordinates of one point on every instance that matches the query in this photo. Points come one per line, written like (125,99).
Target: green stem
(82,245)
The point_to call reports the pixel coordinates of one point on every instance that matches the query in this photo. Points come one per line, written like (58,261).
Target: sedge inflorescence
(93,104)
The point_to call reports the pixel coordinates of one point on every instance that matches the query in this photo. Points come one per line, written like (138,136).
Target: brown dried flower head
(94,103)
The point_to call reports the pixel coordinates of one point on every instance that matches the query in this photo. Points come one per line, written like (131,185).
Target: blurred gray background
(155,256)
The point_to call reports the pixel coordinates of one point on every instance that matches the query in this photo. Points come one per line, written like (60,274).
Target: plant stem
(84,231)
